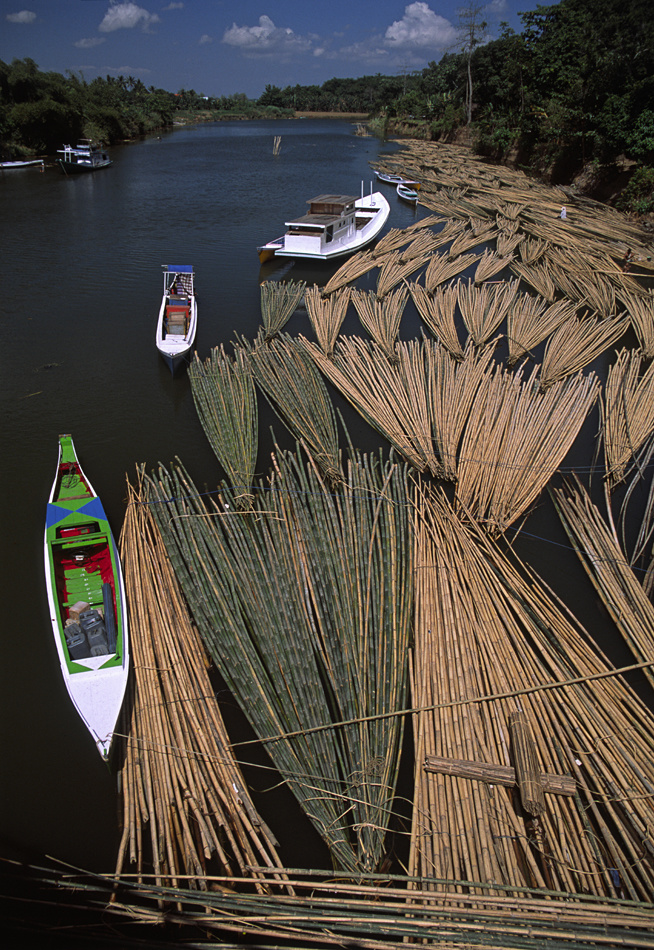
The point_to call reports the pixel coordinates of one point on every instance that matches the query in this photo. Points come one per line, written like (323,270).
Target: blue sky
(222,47)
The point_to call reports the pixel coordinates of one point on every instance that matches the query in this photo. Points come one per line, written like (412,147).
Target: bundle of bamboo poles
(537,276)
(381,317)
(441,268)
(531,250)
(181,786)
(326,314)
(295,389)
(640,309)
(604,561)
(323,912)
(396,268)
(506,243)
(576,343)
(437,311)
(627,412)
(491,263)
(394,397)
(279,300)
(489,643)
(305,603)
(484,308)
(514,440)
(530,321)
(226,403)
(468,240)
(354,267)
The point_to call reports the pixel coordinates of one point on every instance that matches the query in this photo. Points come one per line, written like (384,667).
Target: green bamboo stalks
(279,300)
(305,604)
(296,391)
(226,403)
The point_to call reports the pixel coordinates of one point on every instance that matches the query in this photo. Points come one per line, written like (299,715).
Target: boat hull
(81,168)
(86,598)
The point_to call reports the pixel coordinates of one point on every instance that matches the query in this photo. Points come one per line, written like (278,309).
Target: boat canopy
(179,268)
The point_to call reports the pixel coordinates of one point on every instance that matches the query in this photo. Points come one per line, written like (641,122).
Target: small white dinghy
(178,315)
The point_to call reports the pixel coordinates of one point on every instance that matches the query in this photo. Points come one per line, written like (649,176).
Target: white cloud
(497,7)
(420,28)
(205,38)
(265,39)
(90,42)
(125,16)
(24,16)
(178,6)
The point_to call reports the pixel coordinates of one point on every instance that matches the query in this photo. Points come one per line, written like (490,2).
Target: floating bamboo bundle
(295,389)
(454,386)
(576,343)
(598,549)
(326,314)
(538,276)
(394,397)
(356,266)
(396,268)
(279,299)
(515,439)
(532,250)
(323,911)
(530,321)
(305,606)
(507,243)
(392,241)
(592,289)
(181,786)
(641,313)
(488,645)
(437,311)
(627,412)
(381,318)
(484,308)
(469,239)
(442,268)
(226,403)
(491,263)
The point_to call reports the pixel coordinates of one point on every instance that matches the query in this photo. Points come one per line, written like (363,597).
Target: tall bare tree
(472,31)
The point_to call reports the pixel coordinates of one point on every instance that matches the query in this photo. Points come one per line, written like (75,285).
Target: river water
(82,282)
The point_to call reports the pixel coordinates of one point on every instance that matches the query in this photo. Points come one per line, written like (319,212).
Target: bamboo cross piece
(497,774)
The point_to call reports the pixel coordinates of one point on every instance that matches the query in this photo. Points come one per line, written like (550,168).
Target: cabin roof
(331,209)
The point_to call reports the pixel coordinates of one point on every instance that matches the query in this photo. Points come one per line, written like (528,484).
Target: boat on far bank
(84,157)
(334,226)
(28,163)
(86,596)
(178,315)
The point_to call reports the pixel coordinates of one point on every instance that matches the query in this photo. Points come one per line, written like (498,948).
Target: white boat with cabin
(335,225)
(84,157)
(178,315)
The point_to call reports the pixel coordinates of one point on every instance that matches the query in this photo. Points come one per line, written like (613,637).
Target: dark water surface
(82,282)
(81,290)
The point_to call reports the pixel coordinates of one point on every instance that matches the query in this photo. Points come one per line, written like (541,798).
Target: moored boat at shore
(395,180)
(334,226)
(84,157)
(178,315)
(86,596)
(406,193)
(22,163)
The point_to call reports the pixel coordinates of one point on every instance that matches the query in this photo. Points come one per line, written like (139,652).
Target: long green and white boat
(86,594)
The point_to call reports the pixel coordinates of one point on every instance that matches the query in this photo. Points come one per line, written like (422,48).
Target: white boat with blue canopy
(178,315)
(335,225)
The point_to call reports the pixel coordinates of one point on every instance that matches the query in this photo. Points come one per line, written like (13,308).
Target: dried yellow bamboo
(576,343)
(627,412)
(381,318)
(530,321)
(491,263)
(326,314)
(538,276)
(514,440)
(640,309)
(441,268)
(437,311)
(484,308)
